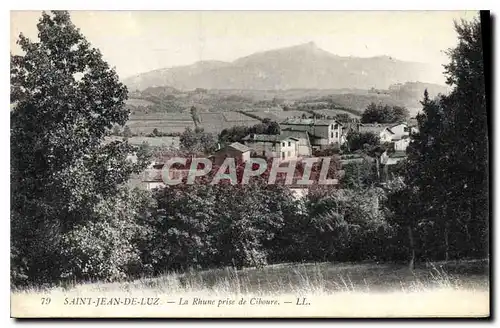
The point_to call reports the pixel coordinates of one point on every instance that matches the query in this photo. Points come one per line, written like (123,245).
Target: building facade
(276,146)
(323,132)
(235,150)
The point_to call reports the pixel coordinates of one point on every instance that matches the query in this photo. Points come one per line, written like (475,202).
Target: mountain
(304,66)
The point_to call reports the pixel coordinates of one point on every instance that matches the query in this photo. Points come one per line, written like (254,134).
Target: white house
(400,144)
(281,146)
(304,143)
(386,135)
(386,132)
(323,132)
(399,130)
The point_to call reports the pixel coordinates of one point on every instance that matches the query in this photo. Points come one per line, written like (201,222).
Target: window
(263,153)
(331,134)
(333,126)
(283,155)
(283,144)
(336,134)
(289,143)
(405,129)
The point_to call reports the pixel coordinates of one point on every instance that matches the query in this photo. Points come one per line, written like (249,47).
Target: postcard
(250,164)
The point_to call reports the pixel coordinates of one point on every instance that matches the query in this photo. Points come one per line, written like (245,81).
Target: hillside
(304,66)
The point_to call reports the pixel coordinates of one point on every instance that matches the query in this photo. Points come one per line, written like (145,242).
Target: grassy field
(167,141)
(333,112)
(343,290)
(216,122)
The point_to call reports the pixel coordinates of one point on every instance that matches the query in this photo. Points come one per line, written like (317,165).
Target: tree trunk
(446,242)
(411,264)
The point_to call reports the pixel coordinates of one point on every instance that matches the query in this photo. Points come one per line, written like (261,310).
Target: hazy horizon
(136,42)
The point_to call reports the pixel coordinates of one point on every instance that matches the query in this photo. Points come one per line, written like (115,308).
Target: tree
(156,133)
(448,158)
(384,114)
(127,133)
(358,140)
(197,141)
(467,130)
(195,116)
(116,130)
(273,128)
(66,98)
(400,114)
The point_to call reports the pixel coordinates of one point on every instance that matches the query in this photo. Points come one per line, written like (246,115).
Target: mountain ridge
(303,66)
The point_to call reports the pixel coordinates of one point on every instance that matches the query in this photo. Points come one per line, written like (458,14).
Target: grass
(152,141)
(333,112)
(311,277)
(334,290)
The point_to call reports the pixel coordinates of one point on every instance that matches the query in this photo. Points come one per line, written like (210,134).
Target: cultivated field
(333,112)
(166,141)
(216,122)
(342,290)
(277,115)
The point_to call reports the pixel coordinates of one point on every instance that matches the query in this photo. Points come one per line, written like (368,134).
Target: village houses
(276,146)
(322,132)
(236,150)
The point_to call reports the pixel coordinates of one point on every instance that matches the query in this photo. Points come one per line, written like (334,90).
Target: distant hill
(303,66)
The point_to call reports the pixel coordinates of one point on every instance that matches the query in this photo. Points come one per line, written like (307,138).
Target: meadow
(333,289)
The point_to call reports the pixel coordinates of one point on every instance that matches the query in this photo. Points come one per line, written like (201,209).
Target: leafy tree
(378,113)
(273,128)
(116,131)
(197,141)
(468,130)
(66,98)
(358,140)
(195,116)
(342,118)
(448,158)
(400,114)
(127,133)
(359,175)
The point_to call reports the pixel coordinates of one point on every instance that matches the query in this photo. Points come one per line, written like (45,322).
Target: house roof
(398,154)
(295,133)
(275,138)
(309,121)
(374,128)
(239,147)
(397,124)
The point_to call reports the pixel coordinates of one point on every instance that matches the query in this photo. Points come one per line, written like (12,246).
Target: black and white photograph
(250,164)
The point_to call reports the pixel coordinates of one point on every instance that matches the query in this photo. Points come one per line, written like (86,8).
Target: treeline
(73,218)
(236,133)
(378,113)
(443,200)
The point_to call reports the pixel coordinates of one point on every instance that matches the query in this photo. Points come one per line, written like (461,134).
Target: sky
(139,41)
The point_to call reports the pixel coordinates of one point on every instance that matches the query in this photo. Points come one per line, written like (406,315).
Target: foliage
(447,166)
(66,100)
(378,113)
(198,141)
(236,133)
(359,174)
(358,140)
